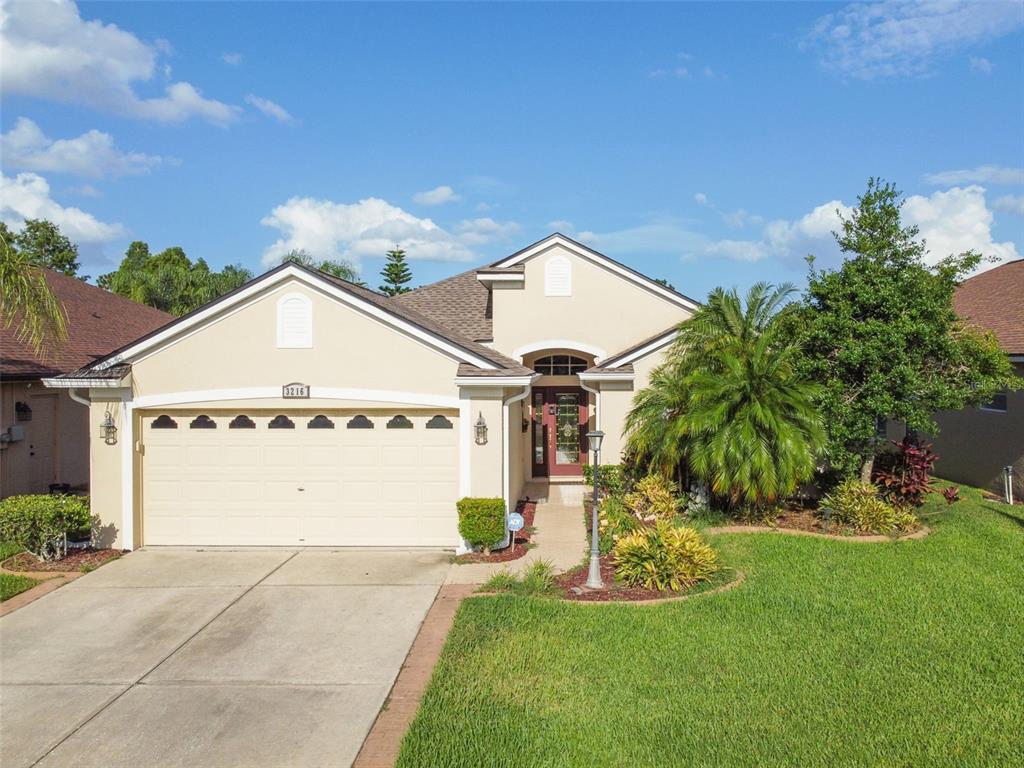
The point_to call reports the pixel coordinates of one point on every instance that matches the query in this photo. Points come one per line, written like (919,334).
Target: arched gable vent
(294,321)
(558,276)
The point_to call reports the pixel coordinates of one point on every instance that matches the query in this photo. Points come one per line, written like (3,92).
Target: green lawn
(11,585)
(832,653)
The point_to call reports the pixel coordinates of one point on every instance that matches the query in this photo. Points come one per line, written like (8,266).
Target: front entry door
(559,425)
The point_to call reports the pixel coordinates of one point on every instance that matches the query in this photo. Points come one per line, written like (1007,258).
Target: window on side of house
(999,402)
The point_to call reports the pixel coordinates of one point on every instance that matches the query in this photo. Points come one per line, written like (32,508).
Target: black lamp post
(594,576)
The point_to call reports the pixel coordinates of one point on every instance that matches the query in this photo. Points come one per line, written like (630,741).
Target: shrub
(904,474)
(664,557)
(481,521)
(611,479)
(614,520)
(41,523)
(951,494)
(859,505)
(653,498)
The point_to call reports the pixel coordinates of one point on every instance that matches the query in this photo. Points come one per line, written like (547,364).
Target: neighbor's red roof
(994,300)
(98,322)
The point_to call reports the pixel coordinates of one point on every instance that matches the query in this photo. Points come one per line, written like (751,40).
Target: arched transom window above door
(560,365)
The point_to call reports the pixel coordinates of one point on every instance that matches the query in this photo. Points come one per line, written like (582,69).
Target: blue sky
(707,144)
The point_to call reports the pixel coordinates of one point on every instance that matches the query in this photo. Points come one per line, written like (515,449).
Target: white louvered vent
(294,322)
(558,276)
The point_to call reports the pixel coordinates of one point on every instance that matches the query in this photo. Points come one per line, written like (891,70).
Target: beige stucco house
(302,409)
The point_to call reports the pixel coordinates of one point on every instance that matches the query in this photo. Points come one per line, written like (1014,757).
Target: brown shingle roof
(461,303)
(994,300)
(98,322)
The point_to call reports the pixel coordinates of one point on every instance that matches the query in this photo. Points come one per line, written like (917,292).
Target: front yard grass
(11,584)
(831,653)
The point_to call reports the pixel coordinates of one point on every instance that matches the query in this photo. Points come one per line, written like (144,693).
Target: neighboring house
(304,409)
(43,432)
(975,444)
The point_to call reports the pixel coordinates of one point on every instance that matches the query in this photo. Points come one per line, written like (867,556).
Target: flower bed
(78,560)
(573,586)
(520,546)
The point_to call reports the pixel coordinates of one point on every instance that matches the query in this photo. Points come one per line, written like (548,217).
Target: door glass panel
(567,428)
(538,428)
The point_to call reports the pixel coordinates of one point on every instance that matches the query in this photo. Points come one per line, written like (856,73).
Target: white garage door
(300,478)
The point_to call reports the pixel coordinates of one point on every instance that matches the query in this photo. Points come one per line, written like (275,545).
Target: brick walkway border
(380,749)
(53,580)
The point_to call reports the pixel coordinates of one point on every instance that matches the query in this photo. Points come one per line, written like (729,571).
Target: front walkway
(560,536)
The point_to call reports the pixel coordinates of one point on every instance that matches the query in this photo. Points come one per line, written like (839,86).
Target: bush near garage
(41,523)
(481,521)
(664,557)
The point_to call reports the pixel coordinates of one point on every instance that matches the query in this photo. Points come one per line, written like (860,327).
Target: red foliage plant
(951,494)
(903,475)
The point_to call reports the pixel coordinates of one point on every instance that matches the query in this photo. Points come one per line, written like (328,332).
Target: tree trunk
(867,468)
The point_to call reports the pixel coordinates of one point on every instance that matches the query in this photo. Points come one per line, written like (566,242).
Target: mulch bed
(76,560)
(520,546)
(794,517)
(572,586)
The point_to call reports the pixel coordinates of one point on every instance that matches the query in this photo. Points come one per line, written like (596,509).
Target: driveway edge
(48,585)
(382,743)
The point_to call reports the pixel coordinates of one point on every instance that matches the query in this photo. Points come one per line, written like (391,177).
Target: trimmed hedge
(41,523)
(481,521)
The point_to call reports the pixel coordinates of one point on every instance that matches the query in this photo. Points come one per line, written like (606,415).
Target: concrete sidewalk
(561,535)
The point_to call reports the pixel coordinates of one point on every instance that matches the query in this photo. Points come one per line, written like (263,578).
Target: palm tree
(26,300)
(731,402)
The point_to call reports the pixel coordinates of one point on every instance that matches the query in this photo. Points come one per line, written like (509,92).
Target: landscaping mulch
(77,560)
(520,546)
(572,584)
(798,518)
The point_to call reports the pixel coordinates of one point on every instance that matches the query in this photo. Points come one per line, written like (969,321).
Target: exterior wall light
(108,430)
(481,430)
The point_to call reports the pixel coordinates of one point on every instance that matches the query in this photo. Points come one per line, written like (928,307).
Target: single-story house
(974,445)
(301,409)
(44,432)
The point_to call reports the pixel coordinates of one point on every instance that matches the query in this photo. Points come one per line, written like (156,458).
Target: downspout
(78,398)
(505,446)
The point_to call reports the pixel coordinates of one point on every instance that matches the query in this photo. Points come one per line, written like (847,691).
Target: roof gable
(380,307)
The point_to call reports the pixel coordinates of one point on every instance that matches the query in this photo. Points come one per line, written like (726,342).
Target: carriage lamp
(481,430)
(108,430)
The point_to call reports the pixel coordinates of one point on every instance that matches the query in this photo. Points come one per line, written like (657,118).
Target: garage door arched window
(399,422)
(241,421)
(359,422)
(164,421)
(281,422)
(320,422)
(202,422)
(439,422)
(560,365)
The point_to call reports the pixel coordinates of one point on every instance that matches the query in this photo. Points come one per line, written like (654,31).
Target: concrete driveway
(176,657)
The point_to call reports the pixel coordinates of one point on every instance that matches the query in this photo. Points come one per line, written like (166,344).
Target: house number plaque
(295,390)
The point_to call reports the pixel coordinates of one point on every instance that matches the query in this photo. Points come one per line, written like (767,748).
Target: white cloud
(86,190)
(234,59)
(951,222)
(701,198)
(903,37)
(1010,204)
(736,219)
(27,196)
(982,174)
(436,196)
(270,108)
(561,225)
(371,227)
(93,154)
(981,64)
(679,73)
(50,52)
(665,236)
(484,230)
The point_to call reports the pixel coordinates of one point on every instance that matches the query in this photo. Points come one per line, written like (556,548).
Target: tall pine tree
(396,274)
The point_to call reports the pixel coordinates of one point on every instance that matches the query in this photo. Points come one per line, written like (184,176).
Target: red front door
(559,425)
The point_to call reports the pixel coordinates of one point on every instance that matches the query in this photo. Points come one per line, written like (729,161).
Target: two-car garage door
(300,478)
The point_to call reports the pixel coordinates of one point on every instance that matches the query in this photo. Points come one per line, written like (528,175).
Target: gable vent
(558,276)
(294,321)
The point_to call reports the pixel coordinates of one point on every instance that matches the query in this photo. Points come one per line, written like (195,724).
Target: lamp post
(594,576)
